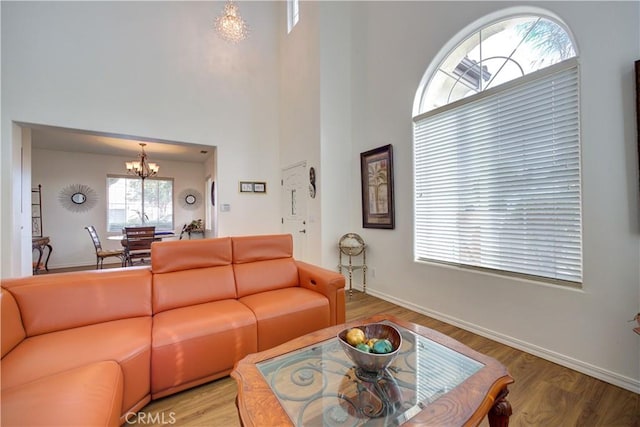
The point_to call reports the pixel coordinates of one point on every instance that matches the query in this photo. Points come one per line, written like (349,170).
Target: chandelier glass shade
(230,25)
(142,167)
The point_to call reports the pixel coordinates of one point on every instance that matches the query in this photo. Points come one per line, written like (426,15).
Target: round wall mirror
(190,199)
(78,198)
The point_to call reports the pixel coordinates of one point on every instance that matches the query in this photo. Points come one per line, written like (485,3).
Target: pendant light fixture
(142,167)
(230,25)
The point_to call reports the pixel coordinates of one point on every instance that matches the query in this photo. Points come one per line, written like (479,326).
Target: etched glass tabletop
(318,385)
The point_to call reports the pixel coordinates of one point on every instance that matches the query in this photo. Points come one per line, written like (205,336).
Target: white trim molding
(622,381)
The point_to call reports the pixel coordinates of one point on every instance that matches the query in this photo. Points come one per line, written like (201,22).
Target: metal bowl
(372,362)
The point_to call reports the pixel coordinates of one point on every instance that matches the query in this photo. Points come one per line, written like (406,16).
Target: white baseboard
(625,382)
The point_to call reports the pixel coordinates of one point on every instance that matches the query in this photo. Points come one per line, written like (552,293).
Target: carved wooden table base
(435,380)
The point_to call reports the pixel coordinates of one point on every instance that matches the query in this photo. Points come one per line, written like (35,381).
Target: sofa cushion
(181,255)
(192,345)
(260,248)
(90,395)
(127,342)
(262,276)
(288,313)
(12,332)
(183,288)
(68,300)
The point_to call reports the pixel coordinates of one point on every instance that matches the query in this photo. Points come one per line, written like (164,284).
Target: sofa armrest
(328,283)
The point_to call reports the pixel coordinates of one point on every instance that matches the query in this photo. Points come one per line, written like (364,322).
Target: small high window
(293,14)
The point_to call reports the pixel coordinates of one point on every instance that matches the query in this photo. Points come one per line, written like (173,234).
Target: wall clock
(312,182)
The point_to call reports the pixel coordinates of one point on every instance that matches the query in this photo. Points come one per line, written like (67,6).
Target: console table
(196,231)
(40,244)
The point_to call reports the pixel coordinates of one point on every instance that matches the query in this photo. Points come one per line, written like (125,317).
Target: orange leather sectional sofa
(92,348)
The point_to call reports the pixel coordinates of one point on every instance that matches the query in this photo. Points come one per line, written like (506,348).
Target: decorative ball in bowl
(371,347)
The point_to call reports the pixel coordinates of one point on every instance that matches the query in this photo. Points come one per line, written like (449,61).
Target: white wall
(149,69)
(586,329)
(157,70)
(336,139)
(55,170)
(300,110)
(315,121)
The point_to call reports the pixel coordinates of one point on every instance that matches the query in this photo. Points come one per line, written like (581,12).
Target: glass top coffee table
(310,381)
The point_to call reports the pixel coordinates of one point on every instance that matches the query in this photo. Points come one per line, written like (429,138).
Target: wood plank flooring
(544,394)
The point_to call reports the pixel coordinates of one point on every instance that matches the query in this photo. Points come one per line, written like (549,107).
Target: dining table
(157,235)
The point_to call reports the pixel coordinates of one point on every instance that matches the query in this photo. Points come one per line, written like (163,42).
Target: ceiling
(71,140)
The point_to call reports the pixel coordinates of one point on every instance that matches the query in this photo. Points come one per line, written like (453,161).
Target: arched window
(495,54)
(497,152)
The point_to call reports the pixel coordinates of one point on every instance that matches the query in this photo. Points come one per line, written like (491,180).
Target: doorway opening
(57,157)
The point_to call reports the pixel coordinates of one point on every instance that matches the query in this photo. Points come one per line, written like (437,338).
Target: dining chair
(101,254)
(137,243)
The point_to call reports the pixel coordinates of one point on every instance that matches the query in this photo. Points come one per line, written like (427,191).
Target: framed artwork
(259,187)
(376,169)
(253,187)
(246,187)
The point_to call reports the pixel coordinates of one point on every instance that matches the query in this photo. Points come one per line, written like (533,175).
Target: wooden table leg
(46,263)
(500,411)
(37,264)
(40,244)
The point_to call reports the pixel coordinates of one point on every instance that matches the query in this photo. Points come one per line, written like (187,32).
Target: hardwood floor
(544,394)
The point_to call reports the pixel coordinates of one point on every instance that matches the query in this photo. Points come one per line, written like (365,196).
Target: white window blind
(497,178)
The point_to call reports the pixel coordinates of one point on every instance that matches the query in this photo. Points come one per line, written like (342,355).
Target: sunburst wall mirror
(77,198)
(190,199)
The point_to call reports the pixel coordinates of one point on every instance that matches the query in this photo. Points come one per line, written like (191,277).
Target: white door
(295,190)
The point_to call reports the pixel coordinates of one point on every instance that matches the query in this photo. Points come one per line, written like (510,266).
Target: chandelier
(142,167)
(230,26)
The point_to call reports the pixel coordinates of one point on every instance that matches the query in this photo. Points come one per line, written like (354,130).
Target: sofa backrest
(60,301)
(263,263)
(11,326)
(187,272)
